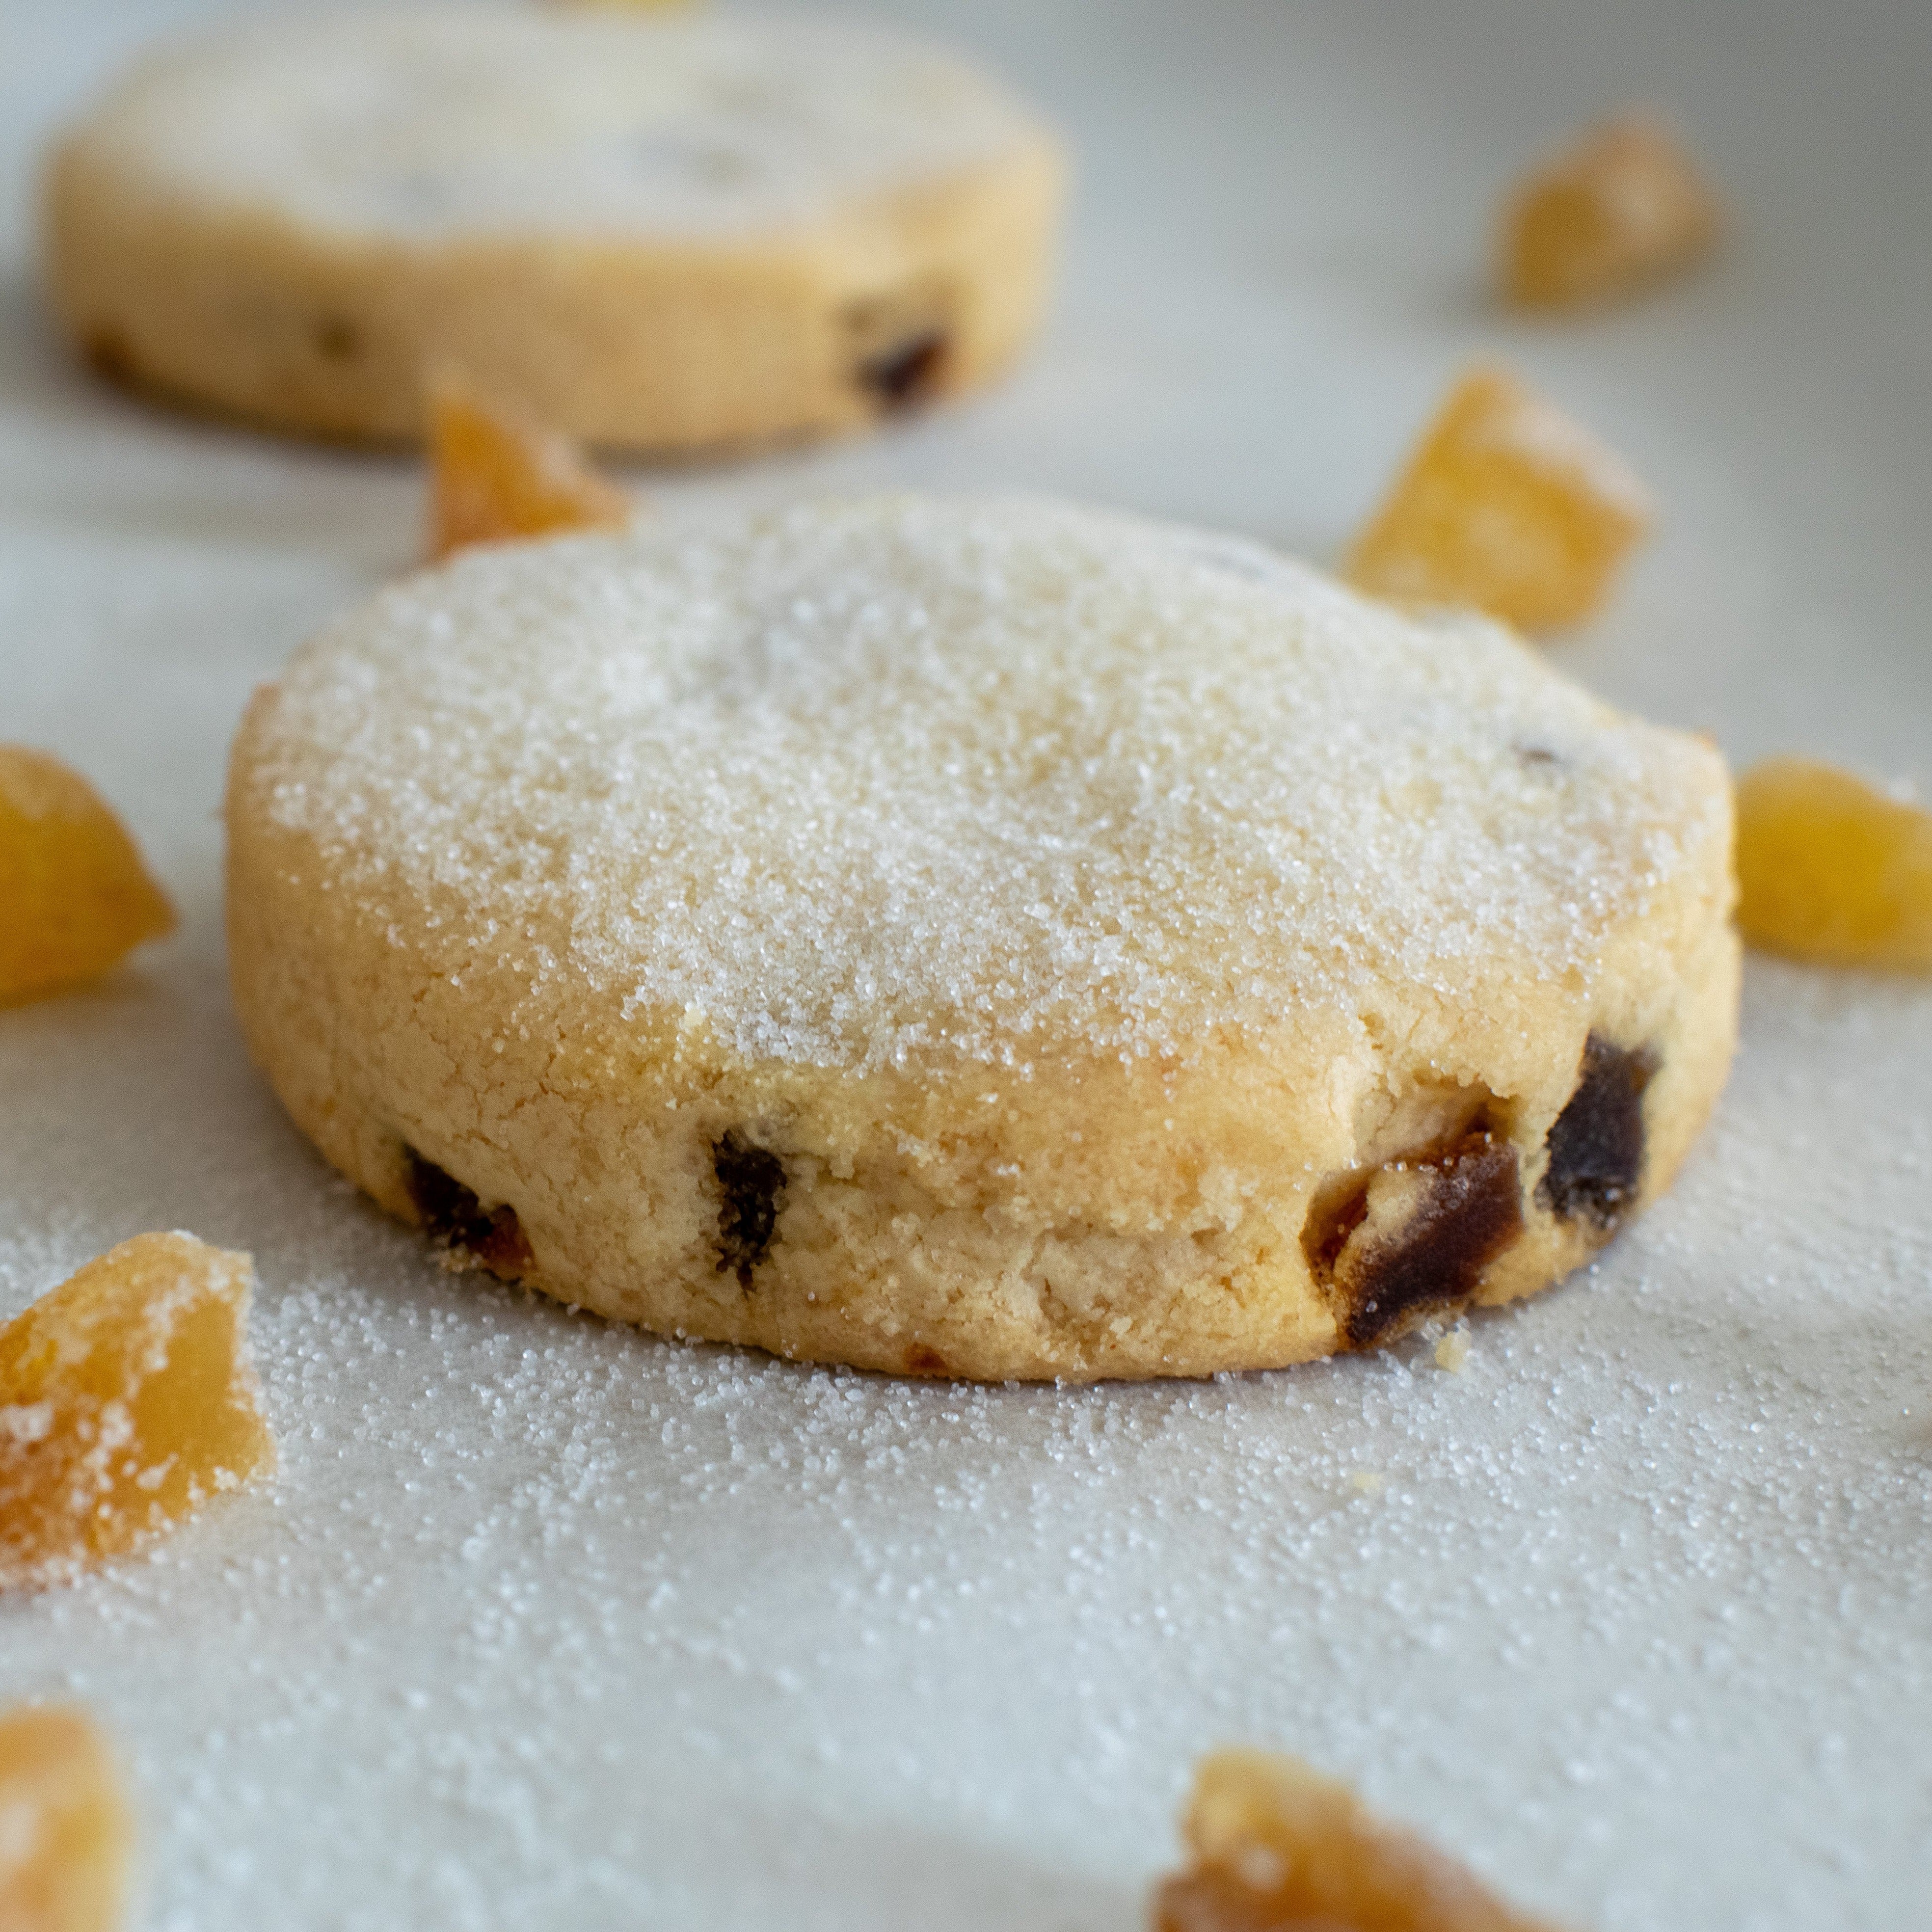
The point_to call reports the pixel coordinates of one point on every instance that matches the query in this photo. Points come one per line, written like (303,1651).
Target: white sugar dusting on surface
(854,784)
(544,1622)
(439,123)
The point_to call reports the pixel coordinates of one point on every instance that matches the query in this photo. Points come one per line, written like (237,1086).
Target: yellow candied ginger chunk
(128,1398)
(1507,506)
(1830,870)
(1278,1848)
(65,1833)
(497,474)
(1623,208)
(75,895)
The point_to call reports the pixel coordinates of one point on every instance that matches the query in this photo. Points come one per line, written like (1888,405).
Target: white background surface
(547,1624)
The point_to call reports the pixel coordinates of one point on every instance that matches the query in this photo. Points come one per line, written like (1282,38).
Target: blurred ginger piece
(74,896)
(497,473)
(65,1830)
(1830,870)
(1623,208)
(127,1397)
(1507,506)
(1279,1848)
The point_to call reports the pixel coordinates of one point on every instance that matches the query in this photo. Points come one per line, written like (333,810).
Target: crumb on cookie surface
(66,1834)
(128,1398)
(1276,1847)
(75,897)
(1622,208)
(1506,506)
(1832,870)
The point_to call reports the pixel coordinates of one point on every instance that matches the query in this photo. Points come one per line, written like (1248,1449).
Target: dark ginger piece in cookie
(1597,1143)
(751,1185)
(1414,1236)
(453,1215)
(901,345)
(337,338)
(904,375)
(105,350)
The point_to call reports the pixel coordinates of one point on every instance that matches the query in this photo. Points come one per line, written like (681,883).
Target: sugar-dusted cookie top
(452,124)
(861,783)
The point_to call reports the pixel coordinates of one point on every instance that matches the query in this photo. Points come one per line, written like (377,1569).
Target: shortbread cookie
(665,232)
(994,939)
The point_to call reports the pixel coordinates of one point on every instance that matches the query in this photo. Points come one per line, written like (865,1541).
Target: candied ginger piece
(1507,506)
(1279,1848)
(65,1833)
(77,897)
(1830,870)
(498,474)
(1622,208)
(127,1397)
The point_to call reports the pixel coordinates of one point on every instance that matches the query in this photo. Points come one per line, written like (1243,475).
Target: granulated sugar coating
(479,123)
(854,786)
(992,939)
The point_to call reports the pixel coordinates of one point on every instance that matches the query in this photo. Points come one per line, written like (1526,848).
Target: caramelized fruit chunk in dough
(496,474)
(1278,1848)
(1829,869)
(65,1834)
(128,1398)
(74,896)
(1622,208)
(1507,506)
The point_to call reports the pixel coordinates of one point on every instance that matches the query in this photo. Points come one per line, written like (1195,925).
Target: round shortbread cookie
(995,939)
(661,233)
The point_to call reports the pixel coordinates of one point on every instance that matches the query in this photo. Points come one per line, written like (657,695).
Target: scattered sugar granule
(74,895)
(1507,506)
(497,474)
(1830,870)
(127,1397)
(1452,1352)
(1276,1845)
(1620,209)
(65,1833)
